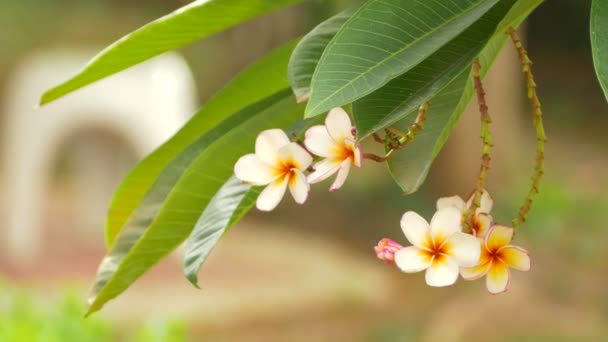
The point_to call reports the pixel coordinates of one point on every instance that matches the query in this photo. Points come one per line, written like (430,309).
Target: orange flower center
(287,169)
(437,250)
(344,151)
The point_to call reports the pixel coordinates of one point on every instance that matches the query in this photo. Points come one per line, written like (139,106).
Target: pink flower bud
(386,249)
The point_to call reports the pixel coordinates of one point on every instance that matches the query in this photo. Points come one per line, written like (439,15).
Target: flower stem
(396,140)
(486,138)
(541,138)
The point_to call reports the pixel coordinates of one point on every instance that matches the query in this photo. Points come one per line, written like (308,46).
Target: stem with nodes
(396,139)
(486,138)
(539,168)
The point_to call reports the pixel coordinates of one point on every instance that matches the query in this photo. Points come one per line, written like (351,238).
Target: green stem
(539,168)
(397,140)
(486,138)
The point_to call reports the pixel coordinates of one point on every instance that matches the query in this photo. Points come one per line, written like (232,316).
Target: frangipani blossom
(482,220)
(497,256)
(440,247)
(334,141)
(386,249)
(278,163)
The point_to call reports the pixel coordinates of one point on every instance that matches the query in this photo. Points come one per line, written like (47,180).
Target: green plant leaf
(162,222)
(405,93)
(599,41)
(245,89)
(306,55)
(226,208)
(410,166)
(197,20)
(385,39)
(230,203)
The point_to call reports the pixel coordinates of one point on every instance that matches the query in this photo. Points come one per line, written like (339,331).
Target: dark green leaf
(173,205)
(215,222)
(242,91)
(410,166)
(405,93)
(385,39)
(197,20)
(306,55)
(599,41)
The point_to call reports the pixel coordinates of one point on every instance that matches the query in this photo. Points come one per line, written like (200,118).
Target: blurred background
(301,273)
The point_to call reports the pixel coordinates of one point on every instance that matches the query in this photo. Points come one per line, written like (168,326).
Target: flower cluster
(279,163)
(445,251)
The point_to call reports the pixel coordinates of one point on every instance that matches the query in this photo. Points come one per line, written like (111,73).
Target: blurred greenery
(24,317)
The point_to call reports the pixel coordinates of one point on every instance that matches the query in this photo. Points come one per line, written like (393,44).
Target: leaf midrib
(385,59)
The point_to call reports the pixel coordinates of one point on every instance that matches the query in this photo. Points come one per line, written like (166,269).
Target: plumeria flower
(497,256)
(386,249)
(277,163)
(482,220)
(335,141)
(440,247)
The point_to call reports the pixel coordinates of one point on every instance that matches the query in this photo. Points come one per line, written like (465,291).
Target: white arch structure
(144,105)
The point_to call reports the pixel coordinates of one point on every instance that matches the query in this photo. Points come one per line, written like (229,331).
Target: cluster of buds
(279,163)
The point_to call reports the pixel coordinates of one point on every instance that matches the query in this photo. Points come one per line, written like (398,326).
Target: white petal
(464,249)
(485,204)
(323,170)
(453,201)
(338,124)
(442,272)
(298,186)
(416,229)
(295,154)
(251,169)
(268,143)
(341,177)
(445,222)
(411,259)
(272,195)
(318,141)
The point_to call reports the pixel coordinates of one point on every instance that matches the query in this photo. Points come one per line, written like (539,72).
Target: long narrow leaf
(307,54)
(197,20)
(382,40)
(157,228)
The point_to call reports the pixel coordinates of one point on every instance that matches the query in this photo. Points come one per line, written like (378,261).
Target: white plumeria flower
(439,248)
(482,220)
(278,163)
(335,141)
(497,257)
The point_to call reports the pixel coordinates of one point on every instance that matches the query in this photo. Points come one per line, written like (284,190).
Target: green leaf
(162,222)
(405,93)
(226,208)
(410,166)
(197,20)
(307,54)
(245,89)
(599,41)
(385,39)
(230,203)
